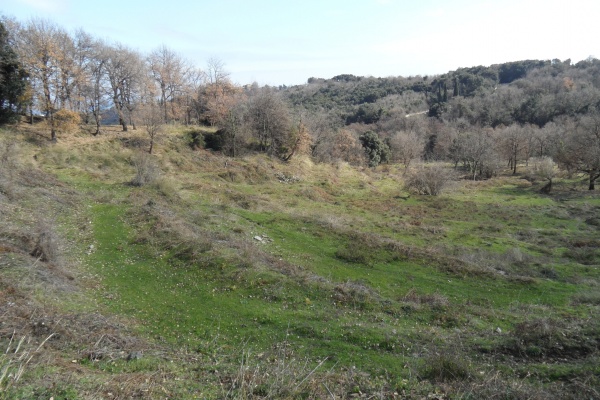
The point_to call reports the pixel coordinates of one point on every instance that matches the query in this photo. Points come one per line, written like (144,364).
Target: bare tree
(406,147)
(268,118)
(580,150)
(231,121)
(96,87)
(124,70)
(513,142)
(216,74)
(476,149)
(322,127)
(153,122)
(171,74)
(38,50)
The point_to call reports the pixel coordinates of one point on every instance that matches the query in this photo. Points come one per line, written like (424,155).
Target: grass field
(253,278)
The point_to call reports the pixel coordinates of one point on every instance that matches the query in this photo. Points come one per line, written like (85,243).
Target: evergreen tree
(377,150)
(13,79)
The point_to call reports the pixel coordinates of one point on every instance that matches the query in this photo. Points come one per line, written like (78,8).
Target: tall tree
(125,71)
(268,119)
(218,92)
(13,79)
(581,147)
(38,49)
(406,147)
(170,73)
(95,88)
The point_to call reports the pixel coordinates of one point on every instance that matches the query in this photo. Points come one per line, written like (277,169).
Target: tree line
(481,119)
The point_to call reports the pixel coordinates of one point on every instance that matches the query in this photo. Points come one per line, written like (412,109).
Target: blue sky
(286,42)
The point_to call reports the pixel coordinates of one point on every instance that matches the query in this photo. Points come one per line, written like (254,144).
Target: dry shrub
(548,338)
(146,169)
(493,386)
(65,121)
(446,367)
(429,180)
(185,241)
(355,294)
(433,300)
(591,297)
(46,247)
(17,358)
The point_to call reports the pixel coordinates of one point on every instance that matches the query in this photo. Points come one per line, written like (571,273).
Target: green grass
(351,270)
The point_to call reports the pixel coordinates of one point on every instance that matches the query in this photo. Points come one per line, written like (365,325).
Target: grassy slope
(490,287)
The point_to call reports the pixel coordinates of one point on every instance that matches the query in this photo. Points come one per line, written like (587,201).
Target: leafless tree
(580,149)
(406,147)
(171,74)
(269,121)
(38,48)
(125,71)
(152,121)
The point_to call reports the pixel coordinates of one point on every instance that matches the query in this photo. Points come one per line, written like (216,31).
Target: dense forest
(479,118)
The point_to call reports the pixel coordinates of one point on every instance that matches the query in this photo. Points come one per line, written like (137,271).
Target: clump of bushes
(429,180)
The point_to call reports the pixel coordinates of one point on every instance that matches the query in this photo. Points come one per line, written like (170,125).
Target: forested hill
(480,118)
(526,92)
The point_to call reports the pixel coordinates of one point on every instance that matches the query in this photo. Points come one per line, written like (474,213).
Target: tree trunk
(123,123)
(593,176)
(52,127)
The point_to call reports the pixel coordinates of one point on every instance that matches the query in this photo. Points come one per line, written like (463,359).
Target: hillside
(251,277)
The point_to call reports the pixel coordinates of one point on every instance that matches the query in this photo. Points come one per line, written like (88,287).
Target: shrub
(377,151)
(46,243)
(445,367)
(429,180)
(354,254)
(65,121)
(146,169)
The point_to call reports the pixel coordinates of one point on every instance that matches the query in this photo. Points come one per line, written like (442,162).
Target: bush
(429,180)
(377,151)
(146,169)
(46,246)
(446,367)
(65,121)
(195,139)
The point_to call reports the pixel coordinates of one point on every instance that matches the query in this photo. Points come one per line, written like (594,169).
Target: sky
(281,42)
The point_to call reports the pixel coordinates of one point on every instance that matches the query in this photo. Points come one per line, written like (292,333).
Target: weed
(15,361)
